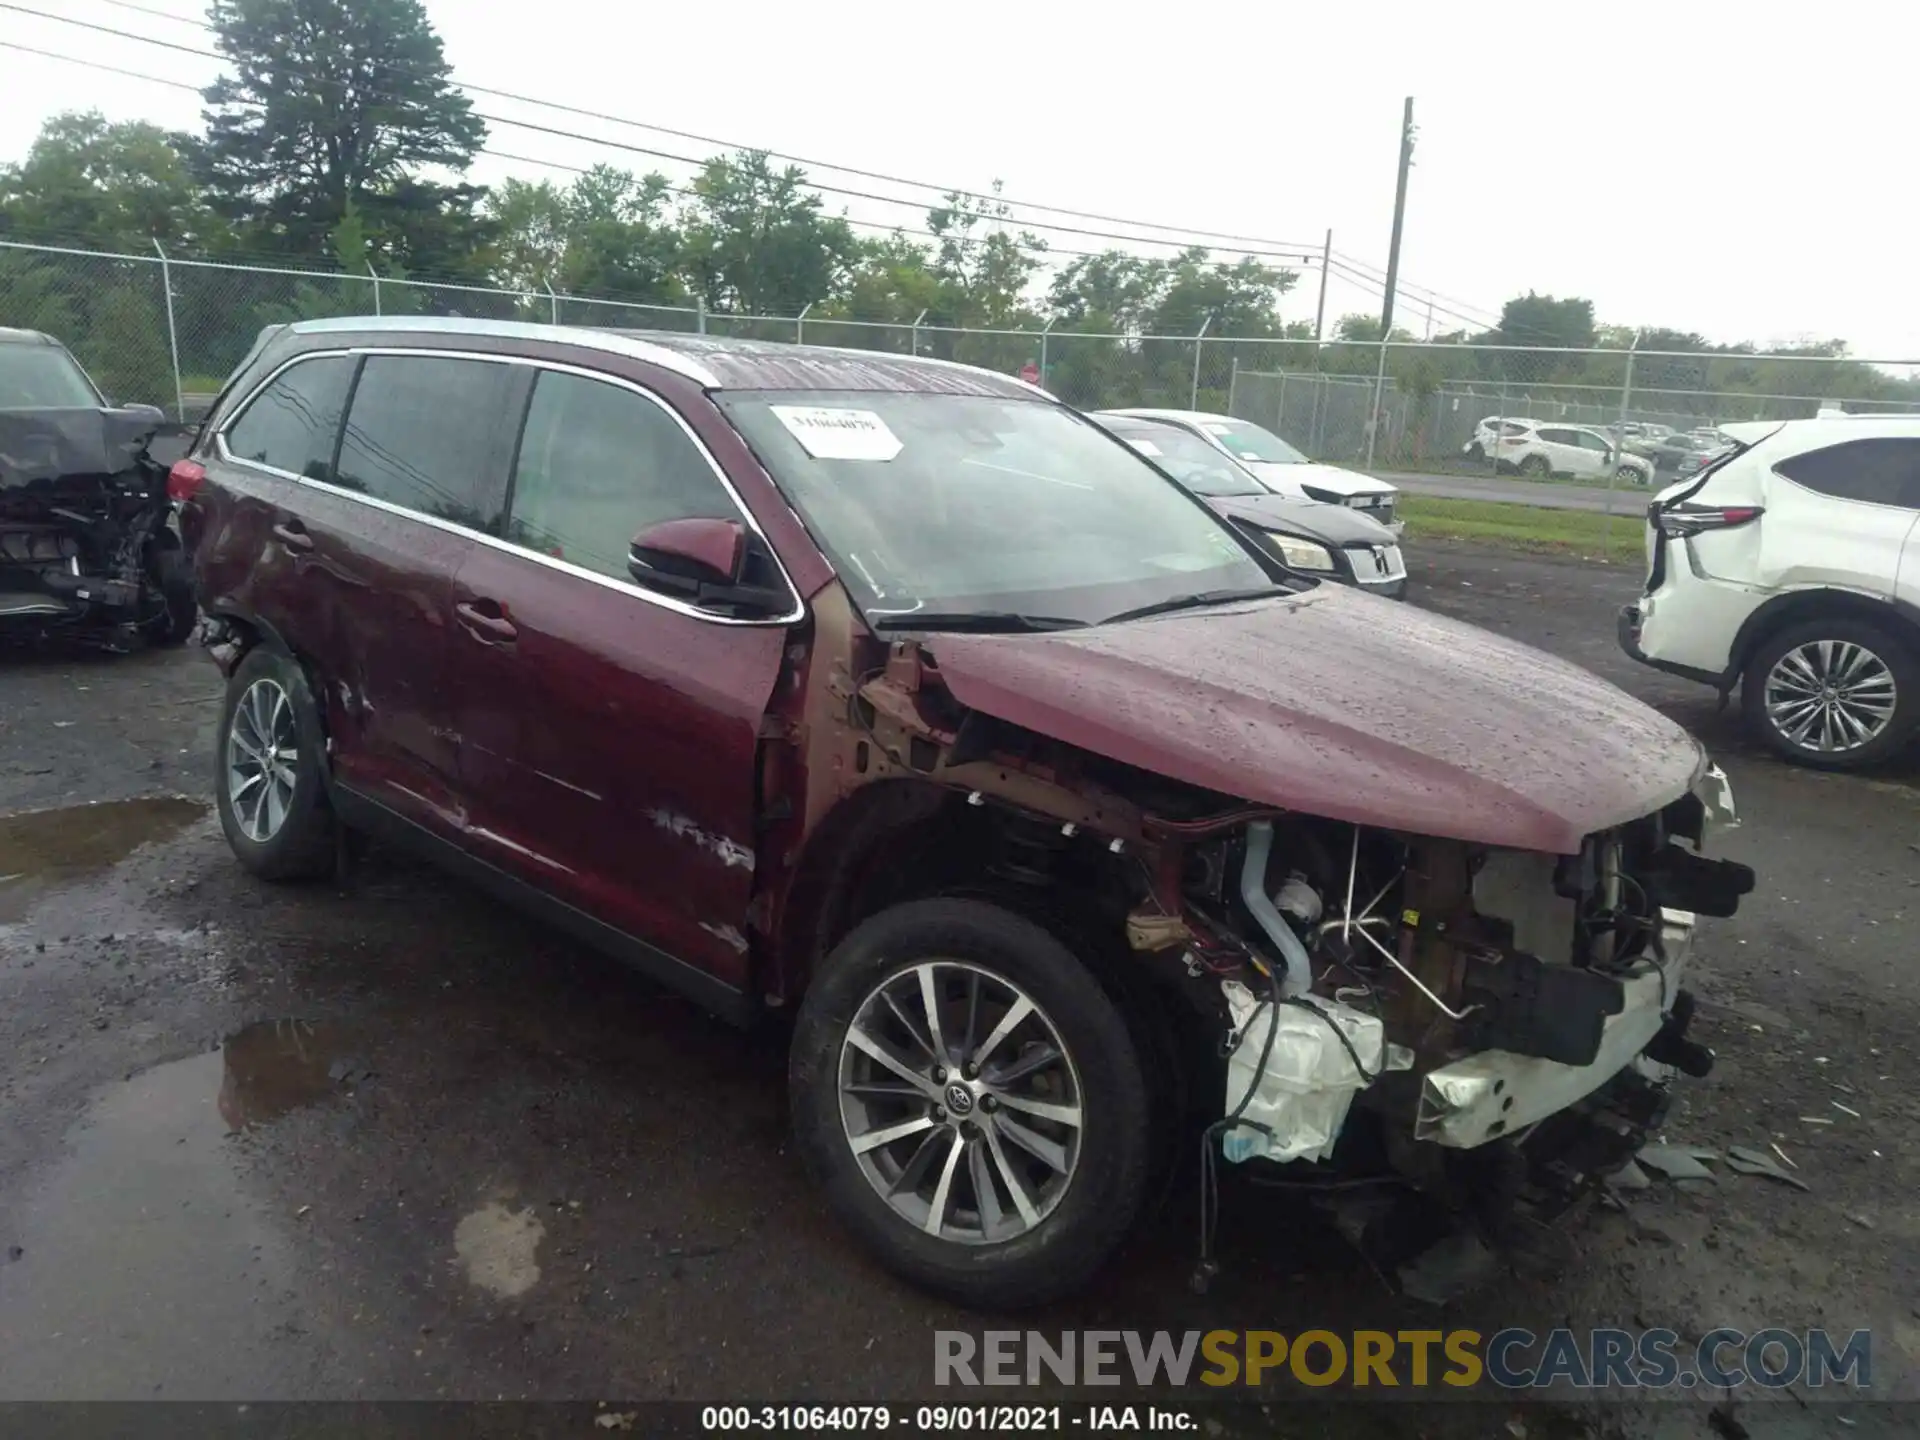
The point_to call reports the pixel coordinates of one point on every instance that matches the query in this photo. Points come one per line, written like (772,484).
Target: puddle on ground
(146,1264)
(275,1066)
(45,849)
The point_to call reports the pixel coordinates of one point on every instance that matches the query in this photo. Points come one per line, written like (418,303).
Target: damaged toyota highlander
(1071,827)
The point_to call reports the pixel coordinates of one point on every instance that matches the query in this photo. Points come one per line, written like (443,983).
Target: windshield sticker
(1249,455)
(1214,427)
(831,434)
(1145,447)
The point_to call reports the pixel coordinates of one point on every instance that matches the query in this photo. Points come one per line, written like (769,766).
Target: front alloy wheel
(971,1101)
(960,1102)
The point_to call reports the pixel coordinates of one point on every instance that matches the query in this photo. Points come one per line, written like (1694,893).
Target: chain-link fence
(167,331)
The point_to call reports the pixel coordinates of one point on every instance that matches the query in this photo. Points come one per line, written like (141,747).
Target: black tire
(301,845)
(1101,1199)
(172,581)
(1536,467)
(1893,653)
(1476,452)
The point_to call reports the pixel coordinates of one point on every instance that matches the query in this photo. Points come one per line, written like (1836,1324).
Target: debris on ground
(1448,1269)
(1756,1162)
(1629,1178)
(1677,1162)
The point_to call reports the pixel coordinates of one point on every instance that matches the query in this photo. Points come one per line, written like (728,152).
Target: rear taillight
(185,479)
(1693,519)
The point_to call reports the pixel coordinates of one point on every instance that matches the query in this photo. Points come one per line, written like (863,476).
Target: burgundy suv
(1072,823)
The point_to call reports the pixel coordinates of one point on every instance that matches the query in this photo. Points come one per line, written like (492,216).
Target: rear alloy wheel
(1536,467)
(1834,694)
(270,786)
(972,1102)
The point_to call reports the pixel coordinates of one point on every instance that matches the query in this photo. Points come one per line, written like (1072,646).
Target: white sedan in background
(1280,467)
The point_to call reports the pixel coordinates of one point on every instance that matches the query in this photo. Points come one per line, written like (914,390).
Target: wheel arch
(1800,606)
(240,632)
(908,838)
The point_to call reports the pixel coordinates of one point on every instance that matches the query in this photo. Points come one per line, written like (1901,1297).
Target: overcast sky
(1693,164)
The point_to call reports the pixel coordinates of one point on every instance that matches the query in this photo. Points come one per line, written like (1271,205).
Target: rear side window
(1559,437)
(599,463)
(292,423)
(1884,471)
(420,435)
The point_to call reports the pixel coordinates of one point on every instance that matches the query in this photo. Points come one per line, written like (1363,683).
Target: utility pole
(1399,219)
(1320,310)
(1393,274)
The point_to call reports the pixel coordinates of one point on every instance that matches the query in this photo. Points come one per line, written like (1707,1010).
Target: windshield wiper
(986,622)
(1198,599)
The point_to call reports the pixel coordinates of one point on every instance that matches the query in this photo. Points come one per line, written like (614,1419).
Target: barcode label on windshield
(828,433)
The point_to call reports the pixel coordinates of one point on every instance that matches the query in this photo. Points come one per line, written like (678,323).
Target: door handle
(485,628)
(293,535)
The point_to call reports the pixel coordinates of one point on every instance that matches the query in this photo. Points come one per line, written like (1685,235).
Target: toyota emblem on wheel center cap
(959,1099)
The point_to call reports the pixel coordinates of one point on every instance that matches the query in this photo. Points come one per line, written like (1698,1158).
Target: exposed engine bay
(1492,1028)
(85,549)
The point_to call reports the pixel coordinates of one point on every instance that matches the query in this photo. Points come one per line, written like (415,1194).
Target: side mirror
(145,412)
(701,561)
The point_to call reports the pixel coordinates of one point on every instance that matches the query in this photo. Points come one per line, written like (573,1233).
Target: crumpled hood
(1332,524)
(1342,705)
(1289,479)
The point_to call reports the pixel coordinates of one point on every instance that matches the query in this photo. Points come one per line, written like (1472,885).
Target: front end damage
(85,550)
(1485,1031)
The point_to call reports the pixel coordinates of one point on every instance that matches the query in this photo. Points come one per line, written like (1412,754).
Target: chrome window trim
(587,338)
(625,587)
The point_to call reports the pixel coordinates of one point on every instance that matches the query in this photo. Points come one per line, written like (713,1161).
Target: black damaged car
(86,549)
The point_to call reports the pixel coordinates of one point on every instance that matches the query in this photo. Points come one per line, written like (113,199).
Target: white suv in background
(1791,566)
(1542,449)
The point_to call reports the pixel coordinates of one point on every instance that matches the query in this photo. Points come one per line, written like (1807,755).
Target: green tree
(1540,320)
(110,185)
(607,233)
(124,344)
(338,104)
(984,270)
(349,292)
(758,242)
(891,284)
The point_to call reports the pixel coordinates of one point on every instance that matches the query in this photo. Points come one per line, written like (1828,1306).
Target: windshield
(1247,441)
(957,505)
(1186,457)
(37,377)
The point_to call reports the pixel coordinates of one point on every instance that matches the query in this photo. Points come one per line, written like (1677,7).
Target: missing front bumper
(1497,1093)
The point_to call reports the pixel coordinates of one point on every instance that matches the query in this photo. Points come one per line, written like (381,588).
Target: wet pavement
(386,1139)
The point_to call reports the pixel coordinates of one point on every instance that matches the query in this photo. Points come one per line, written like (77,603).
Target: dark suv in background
(897,693)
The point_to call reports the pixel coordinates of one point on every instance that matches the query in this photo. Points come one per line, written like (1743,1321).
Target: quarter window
(598,464)
(292,423)
(1882,471)
(420,433)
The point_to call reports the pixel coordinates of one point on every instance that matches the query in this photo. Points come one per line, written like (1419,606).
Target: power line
(681,190)
(1265,249)
(1283,246)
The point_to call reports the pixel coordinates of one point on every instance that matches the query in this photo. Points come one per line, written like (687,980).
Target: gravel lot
(445,1153)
